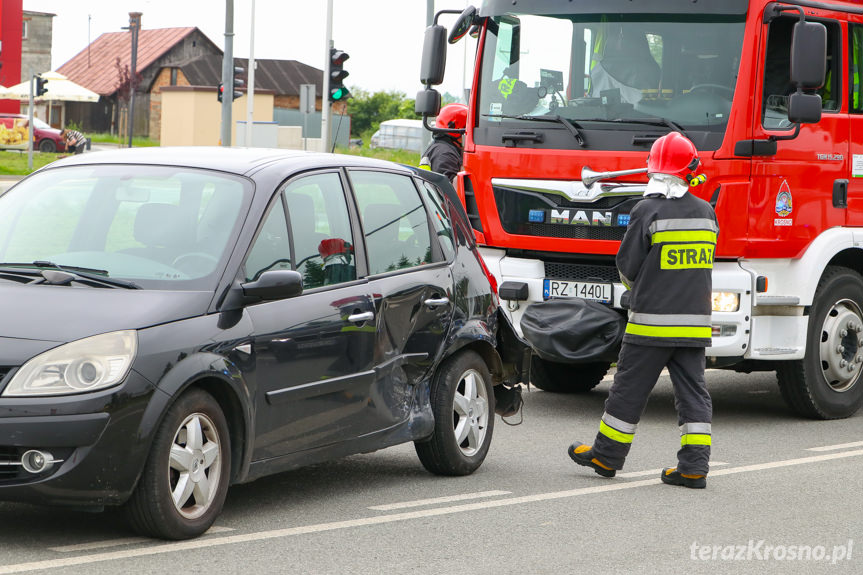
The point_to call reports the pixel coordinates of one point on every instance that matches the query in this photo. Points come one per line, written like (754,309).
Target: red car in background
(46,138)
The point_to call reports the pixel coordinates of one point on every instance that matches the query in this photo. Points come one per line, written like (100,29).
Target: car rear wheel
(47,146)
(462,401)
(566,377)
(826,383)
(185,480)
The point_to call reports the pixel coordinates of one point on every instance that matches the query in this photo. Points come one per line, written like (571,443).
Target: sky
(383,37)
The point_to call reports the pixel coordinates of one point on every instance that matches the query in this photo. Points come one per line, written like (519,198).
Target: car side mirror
(274,285)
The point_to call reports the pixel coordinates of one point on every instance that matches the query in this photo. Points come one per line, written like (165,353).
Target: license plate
(594,291)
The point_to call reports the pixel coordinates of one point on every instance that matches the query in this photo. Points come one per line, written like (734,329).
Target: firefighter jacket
(444,156)
(666,261)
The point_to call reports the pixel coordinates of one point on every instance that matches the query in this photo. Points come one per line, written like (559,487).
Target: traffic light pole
(326,108)
(228,74)
(30,123)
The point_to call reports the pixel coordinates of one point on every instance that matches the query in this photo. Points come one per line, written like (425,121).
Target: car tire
(47,146)
(462,400)
(566,377)
(820,385)
(202,462)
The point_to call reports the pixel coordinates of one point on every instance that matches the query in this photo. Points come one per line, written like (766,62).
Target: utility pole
(228,74)
(30,123)
(326,108)
(250,90)
(134,27)
(426,137)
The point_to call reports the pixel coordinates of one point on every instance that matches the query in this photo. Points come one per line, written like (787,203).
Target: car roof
(241,161)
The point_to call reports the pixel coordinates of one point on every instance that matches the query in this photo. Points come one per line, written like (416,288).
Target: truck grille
(581,272)
(571,232)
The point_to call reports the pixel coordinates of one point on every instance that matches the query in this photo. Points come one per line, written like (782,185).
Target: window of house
(173,76)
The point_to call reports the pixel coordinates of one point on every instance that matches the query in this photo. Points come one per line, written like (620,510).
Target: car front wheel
(47,146)
(462,400)
(185,480)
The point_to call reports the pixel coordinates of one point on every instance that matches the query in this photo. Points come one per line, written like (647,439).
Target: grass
(115,139)
(15,163)
(399,156)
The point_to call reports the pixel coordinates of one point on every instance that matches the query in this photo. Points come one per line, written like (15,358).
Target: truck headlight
(85,365)
(726,301)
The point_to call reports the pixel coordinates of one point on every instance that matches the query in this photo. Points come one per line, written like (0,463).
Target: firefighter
(444,154)
(665,261)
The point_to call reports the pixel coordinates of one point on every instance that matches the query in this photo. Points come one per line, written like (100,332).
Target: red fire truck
(569,95)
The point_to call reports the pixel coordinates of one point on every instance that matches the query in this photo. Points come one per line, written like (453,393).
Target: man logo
(580,218)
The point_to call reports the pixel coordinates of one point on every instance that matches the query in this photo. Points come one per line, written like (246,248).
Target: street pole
(134,26)
(426,137)
(228,74)
(30,123)
(325,95)
(250,90)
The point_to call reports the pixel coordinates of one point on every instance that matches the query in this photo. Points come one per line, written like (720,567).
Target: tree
(368,110)
(125,85)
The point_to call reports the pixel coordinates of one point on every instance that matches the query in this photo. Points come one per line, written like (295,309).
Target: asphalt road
(771,499)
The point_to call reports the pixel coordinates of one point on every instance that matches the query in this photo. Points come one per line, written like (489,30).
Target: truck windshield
(610,72)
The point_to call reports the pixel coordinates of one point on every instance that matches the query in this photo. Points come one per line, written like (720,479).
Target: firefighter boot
(583,455)
(670,476)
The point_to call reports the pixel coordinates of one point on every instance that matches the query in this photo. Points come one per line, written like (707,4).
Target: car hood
(63,313)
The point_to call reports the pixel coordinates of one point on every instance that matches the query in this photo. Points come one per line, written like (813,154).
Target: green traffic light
(338,94)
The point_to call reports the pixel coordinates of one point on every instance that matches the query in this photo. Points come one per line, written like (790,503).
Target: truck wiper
(96,275)
(573,127)
(670,124)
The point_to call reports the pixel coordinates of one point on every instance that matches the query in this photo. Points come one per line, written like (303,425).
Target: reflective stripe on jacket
(666,260)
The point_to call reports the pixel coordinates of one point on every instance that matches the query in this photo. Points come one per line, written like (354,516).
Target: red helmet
(452,116)
(673,154)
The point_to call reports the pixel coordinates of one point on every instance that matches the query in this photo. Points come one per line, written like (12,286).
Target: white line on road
(123,541)
(391,518)
(650,472)
(436,500)
(838,446)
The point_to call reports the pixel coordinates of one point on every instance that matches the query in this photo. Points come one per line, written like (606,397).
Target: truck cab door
(794,199)
(855,109)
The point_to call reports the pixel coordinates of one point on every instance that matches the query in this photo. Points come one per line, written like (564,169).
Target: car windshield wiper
(573,127)
(92,274)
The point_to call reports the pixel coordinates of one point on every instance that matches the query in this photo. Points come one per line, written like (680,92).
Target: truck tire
(566,377)
(826,383)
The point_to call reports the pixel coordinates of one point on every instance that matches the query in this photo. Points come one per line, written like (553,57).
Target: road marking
(123,541)
(838,446)
(207,542)
(449,499)
(649,472)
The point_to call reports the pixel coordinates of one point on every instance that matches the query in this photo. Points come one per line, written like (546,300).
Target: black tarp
(573,330)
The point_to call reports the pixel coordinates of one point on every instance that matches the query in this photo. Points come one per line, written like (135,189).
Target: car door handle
(361,317)
(435,302)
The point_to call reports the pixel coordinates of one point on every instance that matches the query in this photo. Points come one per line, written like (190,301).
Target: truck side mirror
(804,108)
(809,55)
(434,56)
(465,22)
(427,102)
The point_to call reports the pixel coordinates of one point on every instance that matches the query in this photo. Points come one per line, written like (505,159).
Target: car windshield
(668,69)
(159,227)
(37,123)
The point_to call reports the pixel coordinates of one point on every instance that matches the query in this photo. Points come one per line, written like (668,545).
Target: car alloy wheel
(194,469)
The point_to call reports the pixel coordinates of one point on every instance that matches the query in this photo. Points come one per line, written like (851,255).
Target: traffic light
(220,92)
(239,83)
(40,85)
(338,92)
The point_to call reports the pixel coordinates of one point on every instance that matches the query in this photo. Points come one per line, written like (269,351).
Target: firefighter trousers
(638,368)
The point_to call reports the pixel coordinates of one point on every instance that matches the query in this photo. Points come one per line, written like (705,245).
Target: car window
(440,220)
(394,221)
(146,223)
(321,230)
(272,248)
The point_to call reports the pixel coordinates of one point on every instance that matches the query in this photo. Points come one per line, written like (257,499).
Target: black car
(179,320)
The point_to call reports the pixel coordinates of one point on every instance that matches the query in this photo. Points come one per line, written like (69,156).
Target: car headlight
(85,365)
(726,301)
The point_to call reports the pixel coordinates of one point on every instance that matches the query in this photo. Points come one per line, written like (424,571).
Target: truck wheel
(183,486)
(826,384)
(462,401)
(566,377)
